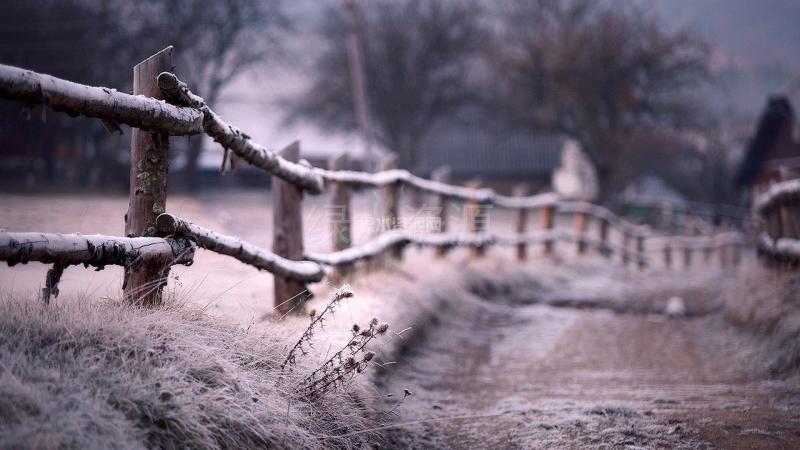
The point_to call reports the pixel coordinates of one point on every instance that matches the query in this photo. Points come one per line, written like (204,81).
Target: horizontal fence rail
(779,209)
(172,240)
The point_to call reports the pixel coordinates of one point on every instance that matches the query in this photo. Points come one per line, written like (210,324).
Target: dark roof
(472,151)
(777,112)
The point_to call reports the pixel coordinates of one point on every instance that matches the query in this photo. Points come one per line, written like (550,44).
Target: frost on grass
(80,374)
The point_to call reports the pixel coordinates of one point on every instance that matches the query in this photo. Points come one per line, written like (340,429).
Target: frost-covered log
(230,137)
(395,176)
(243,251)
(527,202)
(104,103)
(604,213)
(370,249)
(782,249)
(776,194)
(93,249)
(399,238)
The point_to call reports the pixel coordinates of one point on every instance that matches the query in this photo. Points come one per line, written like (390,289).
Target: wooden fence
(163,106)
(779,208)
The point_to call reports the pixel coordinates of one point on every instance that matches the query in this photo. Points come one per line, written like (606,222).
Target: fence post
(546,219)
(391,201)
(667,256)
(581,222)
(341,225)
(521,190)
(687,257)
(475,219)
(287,234)
(707,252)
(148,185)
(640,251)
(626,245)
(442,175)
(605,250)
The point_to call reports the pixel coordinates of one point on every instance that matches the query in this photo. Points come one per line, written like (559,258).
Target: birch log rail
(779,209)
(232,138)
(250,254)
(92,249)
(99,102)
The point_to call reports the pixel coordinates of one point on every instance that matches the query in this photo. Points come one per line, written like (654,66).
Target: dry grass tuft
(81,374)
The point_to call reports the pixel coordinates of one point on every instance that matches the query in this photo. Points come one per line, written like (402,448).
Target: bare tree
(98,41)
(417,54)
(217,41)
(594,71)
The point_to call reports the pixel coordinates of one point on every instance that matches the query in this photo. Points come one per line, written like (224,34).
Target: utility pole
(358,82)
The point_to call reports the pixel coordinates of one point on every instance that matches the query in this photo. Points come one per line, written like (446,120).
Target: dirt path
(494,374)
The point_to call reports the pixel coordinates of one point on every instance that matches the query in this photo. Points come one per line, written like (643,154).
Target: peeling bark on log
(247,253)
(391,204)
(104,103)
(148,184)
(94,250)
(287,235)
(340,217)
(232,138)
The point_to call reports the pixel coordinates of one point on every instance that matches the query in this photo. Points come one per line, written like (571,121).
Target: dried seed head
(356,328)
(368,356)
(313,314)
(366,333)
(373,322)
(382,328)
(350,362)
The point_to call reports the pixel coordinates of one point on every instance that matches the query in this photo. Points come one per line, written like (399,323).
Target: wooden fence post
(521,190)
(442,175)
(605,250)
(287,234)
(640,252)
(667,256)
(546,219)
(391,204)
(476,219)
(687,257)
(341,225)
(708,251)
(581,223)
(148,185)
(626,245)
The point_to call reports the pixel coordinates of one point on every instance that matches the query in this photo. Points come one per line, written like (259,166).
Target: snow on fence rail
(779,208)
(164,106)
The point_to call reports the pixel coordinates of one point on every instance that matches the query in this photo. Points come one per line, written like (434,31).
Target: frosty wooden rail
(63,250)
(779,208)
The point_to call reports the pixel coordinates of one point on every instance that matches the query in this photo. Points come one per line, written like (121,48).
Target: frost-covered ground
(560,352)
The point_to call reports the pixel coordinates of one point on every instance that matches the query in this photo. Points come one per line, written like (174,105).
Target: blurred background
(658,102)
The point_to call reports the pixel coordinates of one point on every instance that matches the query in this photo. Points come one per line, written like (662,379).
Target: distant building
(773,153)
(649,198)
(500,160)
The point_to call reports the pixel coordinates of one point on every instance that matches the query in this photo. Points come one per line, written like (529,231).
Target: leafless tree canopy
(592,70)
(417,57)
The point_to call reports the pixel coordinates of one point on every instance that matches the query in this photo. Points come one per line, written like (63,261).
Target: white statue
(576,177)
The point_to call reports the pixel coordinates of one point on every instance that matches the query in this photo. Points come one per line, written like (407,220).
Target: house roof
(651,190)
(772,120)
(473,151)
